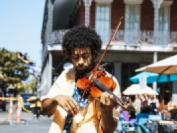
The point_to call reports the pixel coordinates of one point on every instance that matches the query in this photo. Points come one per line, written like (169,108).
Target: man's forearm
(48,107)
(109,124)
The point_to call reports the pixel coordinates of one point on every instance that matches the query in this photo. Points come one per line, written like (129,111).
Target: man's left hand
(107,102)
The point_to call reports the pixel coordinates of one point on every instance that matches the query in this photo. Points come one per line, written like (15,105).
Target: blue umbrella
(154,77)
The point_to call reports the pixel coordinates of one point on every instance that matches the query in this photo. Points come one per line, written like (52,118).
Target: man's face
(81,58)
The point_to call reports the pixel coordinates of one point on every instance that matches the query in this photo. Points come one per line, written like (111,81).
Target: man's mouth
(81,68)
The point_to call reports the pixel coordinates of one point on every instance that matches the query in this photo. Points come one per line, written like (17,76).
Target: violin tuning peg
(99,68)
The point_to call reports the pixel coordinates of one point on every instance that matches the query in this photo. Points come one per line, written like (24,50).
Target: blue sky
(20,27)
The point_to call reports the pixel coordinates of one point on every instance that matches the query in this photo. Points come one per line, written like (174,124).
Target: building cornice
(167,3)
(133,1)
(104,1)
(138,48)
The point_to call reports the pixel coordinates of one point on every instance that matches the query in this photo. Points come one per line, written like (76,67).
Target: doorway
(128,70)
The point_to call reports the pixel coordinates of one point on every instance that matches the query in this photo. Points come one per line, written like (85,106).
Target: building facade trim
(87,4)
(133,1)
(167,3)
(103,1)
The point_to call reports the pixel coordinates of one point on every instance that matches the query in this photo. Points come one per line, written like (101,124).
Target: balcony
(145,38)
(125,38)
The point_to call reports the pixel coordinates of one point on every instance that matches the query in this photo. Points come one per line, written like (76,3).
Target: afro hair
(81,37)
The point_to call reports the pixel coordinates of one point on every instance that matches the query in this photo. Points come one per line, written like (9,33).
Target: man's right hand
(67,103)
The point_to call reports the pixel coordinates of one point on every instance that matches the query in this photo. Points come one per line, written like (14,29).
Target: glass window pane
(102,23)
(164,18)
(107,16)
(103,16)
(107,25)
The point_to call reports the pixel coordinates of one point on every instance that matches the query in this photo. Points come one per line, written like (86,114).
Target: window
(164,24)
(132,23)
(102,24)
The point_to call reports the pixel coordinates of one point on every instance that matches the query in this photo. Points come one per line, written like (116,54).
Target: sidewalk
(40,125)
(4,116)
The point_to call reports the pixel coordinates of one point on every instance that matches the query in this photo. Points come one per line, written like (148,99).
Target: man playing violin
(93,115)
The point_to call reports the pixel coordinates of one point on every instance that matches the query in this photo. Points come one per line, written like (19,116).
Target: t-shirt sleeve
(117,89)
(56,88)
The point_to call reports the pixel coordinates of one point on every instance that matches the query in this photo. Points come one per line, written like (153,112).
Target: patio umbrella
(135,89)
(148,91)
(154,77)
(165,66)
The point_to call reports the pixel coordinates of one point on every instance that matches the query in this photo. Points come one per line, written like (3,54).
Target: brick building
(148,33)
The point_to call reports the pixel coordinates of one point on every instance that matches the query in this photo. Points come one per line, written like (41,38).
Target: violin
(96,82)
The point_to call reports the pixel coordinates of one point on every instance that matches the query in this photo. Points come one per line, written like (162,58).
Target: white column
(165,26)
(174,92)
(117,71)
(155,58)
(87,4)
(50,71)
(156,4)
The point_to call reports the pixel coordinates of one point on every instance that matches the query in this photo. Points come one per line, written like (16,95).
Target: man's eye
(75,57)
(86,56)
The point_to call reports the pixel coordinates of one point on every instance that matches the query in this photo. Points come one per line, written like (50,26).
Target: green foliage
(12,70)
(30,87)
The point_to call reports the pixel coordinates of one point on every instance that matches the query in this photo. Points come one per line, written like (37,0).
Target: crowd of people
(149,105)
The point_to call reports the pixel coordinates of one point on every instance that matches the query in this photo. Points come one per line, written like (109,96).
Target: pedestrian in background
(137,104)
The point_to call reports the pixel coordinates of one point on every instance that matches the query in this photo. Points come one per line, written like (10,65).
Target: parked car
(2,103)
(25,99)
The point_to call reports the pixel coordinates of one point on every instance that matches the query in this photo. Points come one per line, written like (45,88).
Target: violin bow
(112,36)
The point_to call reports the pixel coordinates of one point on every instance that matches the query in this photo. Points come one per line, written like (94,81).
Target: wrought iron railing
(173,38)
(123,37)
(56,37)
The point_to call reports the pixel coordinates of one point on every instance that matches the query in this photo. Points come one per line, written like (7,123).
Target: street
(31,125)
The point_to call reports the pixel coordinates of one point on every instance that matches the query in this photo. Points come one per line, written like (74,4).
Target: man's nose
(81,61)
